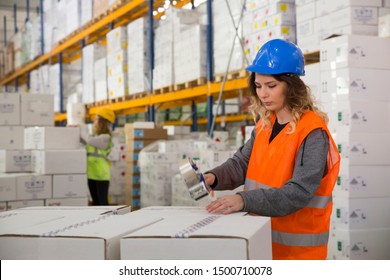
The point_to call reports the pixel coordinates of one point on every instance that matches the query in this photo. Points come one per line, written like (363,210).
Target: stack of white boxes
(56,155)
(100,78)
(158,163)
(40,80)
(163,73)
(117,157)
(190,48)
(91,54)
(18,186)
(353,68)
(266,20)
(224,36)
(319,19)
(117,63)
(138,56)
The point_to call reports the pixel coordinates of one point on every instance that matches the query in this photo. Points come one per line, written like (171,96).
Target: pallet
(101,102)
(138,95)
(163,90)
(118,99)
(193,83)
(116,5)
(242,73)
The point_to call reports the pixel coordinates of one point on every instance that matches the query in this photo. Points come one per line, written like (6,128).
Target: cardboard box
(37,109)
(360,213)
(12,137)
(136,146)
(201,237)
(15,161)
(144,133)
(59,161)
(11,205)
(72,238)
(33,186)
(7,187)
(52,138)
(355,84)
(356,51)
(363,116)
(369,244)
(364,148)
(75,201)
(19,218)
(70,186)
(355,181)
(9,109)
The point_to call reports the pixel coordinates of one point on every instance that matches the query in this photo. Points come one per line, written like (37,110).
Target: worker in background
(290,165)
(98,147)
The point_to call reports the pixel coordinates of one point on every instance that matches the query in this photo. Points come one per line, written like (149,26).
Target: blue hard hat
(278,56)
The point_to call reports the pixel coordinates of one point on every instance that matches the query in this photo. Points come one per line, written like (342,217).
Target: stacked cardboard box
(138,136)
(139,57)
(117,63)
(319,19)
(359,229)
(266,20)
(118,167)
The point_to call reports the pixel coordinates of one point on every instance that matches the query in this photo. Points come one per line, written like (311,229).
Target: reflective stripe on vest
(294,239)
(96,154)
(317,201)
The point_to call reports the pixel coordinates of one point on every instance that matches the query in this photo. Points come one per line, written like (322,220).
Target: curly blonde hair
(299,99)
(102,126)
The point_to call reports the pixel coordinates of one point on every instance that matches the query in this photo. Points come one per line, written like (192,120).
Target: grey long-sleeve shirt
(295,194)
(99,141)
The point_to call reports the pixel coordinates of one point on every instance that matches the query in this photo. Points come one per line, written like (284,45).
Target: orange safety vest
(303,234)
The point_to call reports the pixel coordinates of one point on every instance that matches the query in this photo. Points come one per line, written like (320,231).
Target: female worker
(290,165)
(98,147)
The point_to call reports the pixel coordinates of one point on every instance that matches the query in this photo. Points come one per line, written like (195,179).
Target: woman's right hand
(209,179)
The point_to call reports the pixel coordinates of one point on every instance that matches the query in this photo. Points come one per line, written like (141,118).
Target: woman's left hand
(226,204)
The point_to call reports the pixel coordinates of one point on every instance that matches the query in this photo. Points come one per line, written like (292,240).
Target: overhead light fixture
(155,13)
(161,10)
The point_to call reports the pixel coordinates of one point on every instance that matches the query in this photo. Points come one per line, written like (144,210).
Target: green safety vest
(98,164)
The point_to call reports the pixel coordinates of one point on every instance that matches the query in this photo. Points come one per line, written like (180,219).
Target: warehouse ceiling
(7,10)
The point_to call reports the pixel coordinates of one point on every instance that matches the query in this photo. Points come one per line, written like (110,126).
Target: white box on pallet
(72,238)
(15,161)
(368,244)
(60,161)
(364,148)
(52,138)
(37,109)
(356,51)
(116,40)
(33,186)
(101,90)
(355,84)
(360,213)
(70,186)
(12,137)
(75,201)
(355,181)
(7,187)
(306,12)
(324,7)
(9,109)
(363,116)
(29,216)
(180,237)
(12,205)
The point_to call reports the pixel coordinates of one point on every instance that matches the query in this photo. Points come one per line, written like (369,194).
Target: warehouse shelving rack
(70,48)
